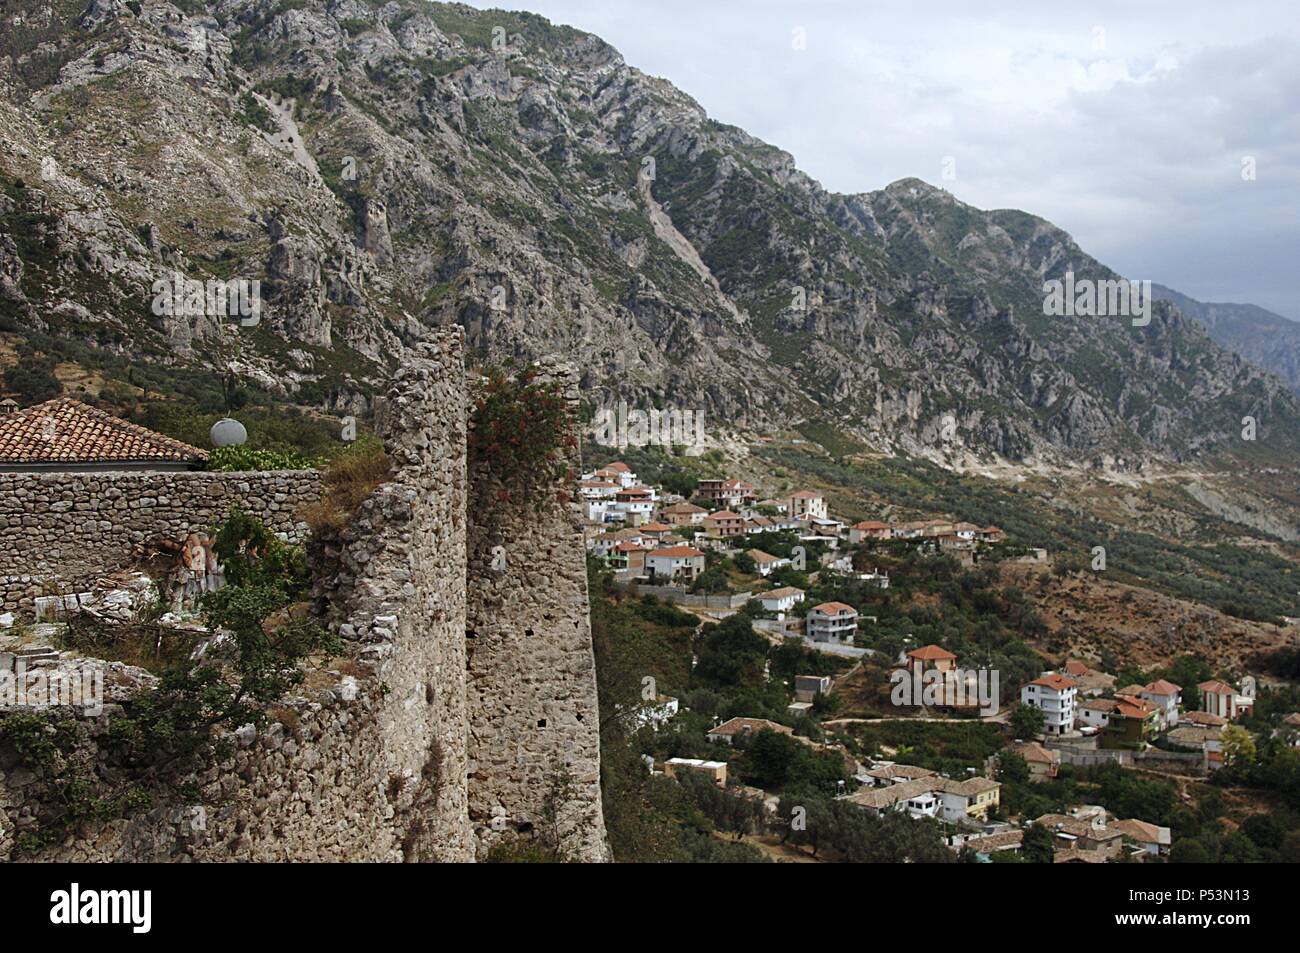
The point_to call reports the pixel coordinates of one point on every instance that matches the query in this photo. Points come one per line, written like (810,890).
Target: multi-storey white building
(832,622)
(1054,695)
(1165,695)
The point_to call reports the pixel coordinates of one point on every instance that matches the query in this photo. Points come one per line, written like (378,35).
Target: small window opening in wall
(541,722)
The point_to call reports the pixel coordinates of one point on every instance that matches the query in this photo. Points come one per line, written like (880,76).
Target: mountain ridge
(1263,337)
(386,170)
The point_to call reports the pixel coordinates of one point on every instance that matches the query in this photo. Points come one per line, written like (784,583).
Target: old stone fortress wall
(61,531)
(467,714)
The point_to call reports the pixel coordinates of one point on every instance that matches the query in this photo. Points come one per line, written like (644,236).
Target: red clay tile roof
(1055,682)
(780,593)
(1162,687)
(832,608)
(930,653)
(738,725)
(1219,688)
(677,552)
(1140,831)
(1133,708)
(1100,704)
(66,431)
(1033,751)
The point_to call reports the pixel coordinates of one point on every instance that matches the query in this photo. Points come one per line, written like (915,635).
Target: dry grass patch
(346,483)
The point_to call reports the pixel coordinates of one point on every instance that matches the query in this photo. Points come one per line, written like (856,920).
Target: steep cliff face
(388,169)
(1260,336)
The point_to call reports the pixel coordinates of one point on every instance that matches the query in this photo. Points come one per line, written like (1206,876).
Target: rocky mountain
(1259,335)
(388,168)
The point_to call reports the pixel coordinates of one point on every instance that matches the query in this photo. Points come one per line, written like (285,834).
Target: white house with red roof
(781,600)
(598,489)
(766,563)
(682,563)
(618,472)
(636,504)
(1165,695)
(1054,695)
(833,622)
(1220,698)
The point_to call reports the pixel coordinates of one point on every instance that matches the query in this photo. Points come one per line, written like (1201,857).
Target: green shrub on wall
(243,459)
(522,434)
(161,738)
(254,556)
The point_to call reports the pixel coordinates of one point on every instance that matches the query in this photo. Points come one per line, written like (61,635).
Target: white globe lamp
(228,432)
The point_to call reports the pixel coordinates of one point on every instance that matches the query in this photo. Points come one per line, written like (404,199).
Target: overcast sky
(1126,124)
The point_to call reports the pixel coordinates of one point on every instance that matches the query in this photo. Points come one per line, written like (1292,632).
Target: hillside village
(785,572)
(806,682)
(725,548)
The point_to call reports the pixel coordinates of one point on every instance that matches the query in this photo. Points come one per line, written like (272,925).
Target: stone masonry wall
(315,786)
(534,724)
(398,594)
(466,694)
(60,531)
(369,764)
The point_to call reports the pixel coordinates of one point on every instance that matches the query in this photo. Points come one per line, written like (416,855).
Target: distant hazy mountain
(1260,336)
